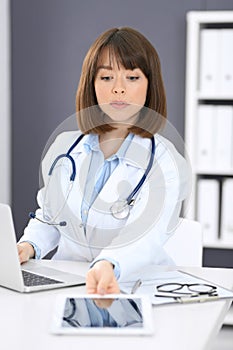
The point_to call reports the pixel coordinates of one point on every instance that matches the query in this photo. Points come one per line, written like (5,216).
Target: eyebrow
(104,67)
(110,68)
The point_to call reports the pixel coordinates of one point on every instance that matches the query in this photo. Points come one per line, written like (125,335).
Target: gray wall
(49,41)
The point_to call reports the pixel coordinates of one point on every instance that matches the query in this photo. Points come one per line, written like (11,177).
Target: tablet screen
(108,314)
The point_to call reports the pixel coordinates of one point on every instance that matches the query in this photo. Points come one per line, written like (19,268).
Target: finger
(115,289)
(19,248)
(103,303)
(23,257)
(107,284)
(91,283)
(103,286)
(20,254)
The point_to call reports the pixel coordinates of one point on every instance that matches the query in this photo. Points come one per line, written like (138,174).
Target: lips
(119,104)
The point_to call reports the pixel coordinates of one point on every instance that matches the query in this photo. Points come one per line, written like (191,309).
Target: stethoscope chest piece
(121,209)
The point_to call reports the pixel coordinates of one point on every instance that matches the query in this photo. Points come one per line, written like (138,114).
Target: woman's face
(120,92)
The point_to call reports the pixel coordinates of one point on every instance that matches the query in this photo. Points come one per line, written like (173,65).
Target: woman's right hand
(25,251)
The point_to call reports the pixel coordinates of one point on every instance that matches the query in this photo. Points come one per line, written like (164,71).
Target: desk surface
(25,319)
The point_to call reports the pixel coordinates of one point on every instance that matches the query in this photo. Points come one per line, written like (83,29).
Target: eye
(106,78)
(133,77)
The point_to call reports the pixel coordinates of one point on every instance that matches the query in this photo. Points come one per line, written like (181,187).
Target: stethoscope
(120,209)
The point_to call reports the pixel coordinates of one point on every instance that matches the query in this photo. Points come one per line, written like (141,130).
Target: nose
(118,88)
(119,91)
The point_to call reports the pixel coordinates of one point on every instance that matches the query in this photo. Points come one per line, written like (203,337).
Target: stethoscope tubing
(67,155)
(141,182)
(129,201)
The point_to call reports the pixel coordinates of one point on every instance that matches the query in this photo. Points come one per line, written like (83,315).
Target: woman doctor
(128,182)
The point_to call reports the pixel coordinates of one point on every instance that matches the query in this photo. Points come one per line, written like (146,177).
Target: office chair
(185,245)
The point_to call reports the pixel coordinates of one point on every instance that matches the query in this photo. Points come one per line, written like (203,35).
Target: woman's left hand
(101,280)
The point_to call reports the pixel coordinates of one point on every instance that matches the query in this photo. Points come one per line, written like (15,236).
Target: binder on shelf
(226,233)
(223,153)
(226,62)
(208,193)
(209,60)
(205,137)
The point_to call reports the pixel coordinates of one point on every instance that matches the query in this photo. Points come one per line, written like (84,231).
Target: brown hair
(131,50)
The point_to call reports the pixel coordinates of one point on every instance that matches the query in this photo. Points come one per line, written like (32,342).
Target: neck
(111,141)
(117,133)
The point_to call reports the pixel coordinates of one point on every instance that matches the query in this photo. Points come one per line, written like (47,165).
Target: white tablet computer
(117,314)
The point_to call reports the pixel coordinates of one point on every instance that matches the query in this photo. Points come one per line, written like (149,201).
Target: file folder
(227,211)
(208,208)
(209,60)
(226,62)
(224,136)
(205,136)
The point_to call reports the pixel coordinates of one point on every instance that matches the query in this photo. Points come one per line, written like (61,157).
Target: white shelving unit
(196,96)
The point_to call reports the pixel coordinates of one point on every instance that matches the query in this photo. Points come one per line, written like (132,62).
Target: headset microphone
(33,216)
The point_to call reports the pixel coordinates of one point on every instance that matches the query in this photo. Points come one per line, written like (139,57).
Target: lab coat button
(81,225)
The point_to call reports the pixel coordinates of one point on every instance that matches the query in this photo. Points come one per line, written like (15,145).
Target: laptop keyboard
(31,279)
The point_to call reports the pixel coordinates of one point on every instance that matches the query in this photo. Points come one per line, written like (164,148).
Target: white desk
(25,319)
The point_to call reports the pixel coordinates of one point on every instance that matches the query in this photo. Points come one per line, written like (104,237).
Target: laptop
(28,277)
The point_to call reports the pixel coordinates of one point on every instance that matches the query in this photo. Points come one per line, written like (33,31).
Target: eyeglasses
(177,290)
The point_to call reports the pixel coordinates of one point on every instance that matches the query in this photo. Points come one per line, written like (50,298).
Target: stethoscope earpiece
(32,215)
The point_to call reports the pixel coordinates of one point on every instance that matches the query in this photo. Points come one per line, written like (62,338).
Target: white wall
(5,122)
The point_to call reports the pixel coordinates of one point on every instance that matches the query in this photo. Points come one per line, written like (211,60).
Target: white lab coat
(133,242)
